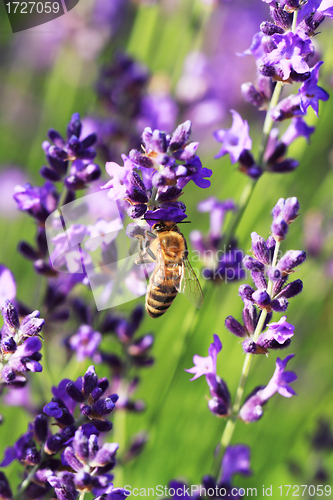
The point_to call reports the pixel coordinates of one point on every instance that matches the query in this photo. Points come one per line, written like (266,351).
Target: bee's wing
(189,284)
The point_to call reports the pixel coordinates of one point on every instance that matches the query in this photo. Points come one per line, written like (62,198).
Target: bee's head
(164,226)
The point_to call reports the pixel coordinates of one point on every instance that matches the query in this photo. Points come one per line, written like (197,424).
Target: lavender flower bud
(103,384)
(103,406)
(141,345)
(41,427)
(8,374)
(102,425)
(53,444)
(90,380)
(250,317)
(279,228)
(137,211)
(292,289)
(290,209)
(245,292)
(259,280)
(10,316)
(5,491)
(27,251)
(279,305)
(253,264)
(235,327)
(278,284)
(44,269)
(274,273)
(8,345)
(49,174)
(261,298)
(80,446)
(218,407)
(270,28)
(251,94)
(95,394)
(291,259)
(250,347)
(32,327)
(74,393)
(180,136)
(259,248)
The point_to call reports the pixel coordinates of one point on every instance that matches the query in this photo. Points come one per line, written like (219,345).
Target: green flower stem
(231,423)
(242,204)
(268,123)
(29,477)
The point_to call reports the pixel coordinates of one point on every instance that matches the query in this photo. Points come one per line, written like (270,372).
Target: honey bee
(172,273)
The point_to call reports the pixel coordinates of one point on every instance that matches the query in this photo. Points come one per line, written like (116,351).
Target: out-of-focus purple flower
(121,178)
(10,176)
(85,343)
(217,210)
(235,139)
(74,148)
(297,128)
(310,93)
(39,202)
(236,460)
(252,409)
(7,285)
(326,8)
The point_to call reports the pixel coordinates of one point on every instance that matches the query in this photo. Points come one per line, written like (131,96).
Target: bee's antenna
(185,222)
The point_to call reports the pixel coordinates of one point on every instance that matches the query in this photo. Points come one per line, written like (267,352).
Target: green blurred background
(48,73)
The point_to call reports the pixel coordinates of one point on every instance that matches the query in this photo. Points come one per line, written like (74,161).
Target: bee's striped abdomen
(160,296)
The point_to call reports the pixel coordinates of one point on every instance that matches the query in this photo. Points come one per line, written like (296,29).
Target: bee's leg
(150,253)
(151,234)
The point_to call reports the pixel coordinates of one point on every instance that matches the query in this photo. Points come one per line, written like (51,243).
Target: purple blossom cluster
(70,162)
(166,164)
(284,53)
(71,460)
(20,345)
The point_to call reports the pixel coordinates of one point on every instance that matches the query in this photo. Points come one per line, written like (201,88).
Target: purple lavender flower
(297,128)
(220,402)
(89,462)
(278,335)
(85,343)
(289,55)
(236,460)
(252,408)
(204,366)
(74,148)
(310,93)
(39,202)
(234,140)
(151,181)
(19,344)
